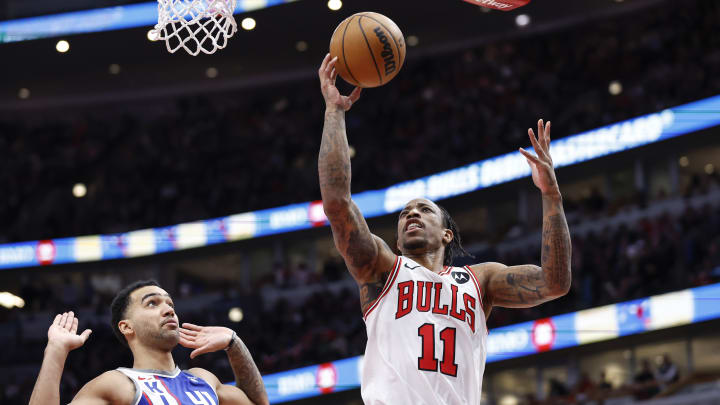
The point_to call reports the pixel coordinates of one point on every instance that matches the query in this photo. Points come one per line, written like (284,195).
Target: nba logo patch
(460,277)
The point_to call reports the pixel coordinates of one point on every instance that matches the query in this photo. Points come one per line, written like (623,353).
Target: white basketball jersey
(426,338)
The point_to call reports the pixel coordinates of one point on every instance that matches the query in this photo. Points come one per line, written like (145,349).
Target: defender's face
(153,318)
(421,227)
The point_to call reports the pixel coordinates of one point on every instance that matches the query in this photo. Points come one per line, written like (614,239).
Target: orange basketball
(370,49)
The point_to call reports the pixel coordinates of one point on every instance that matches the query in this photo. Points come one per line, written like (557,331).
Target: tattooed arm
(530,285)
(208,339)
(368,258)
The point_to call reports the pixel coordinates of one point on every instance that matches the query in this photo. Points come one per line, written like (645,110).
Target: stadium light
(522,20)
(211,72)
(684,161)
(235,314)
(334,5)
(62,46)
(114,69)
(23,93)
(9,300)
(248,23)
(79,190)
(152,36)
(412,40)
(615,87)
(301,46)
(709,168)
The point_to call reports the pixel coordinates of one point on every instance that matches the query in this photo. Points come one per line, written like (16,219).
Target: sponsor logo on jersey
(460,277)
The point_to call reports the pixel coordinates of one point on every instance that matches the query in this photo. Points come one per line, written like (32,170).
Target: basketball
(370,49)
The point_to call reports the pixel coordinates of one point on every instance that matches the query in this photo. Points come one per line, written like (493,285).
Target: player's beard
(414,244)
(160,337)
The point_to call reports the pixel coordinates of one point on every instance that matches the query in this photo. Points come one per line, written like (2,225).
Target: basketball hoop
(195,25)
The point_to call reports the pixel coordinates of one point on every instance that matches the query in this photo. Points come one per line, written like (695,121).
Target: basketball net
(194,25)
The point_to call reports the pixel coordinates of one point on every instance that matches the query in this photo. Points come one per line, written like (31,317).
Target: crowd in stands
(646,383)
(203,156)
(655,255)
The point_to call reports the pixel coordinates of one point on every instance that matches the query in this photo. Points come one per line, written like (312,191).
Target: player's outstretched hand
(333,98)
(543,172)
(62,334)
(204,339)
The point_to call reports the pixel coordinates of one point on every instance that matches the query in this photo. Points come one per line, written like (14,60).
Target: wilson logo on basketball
(387,53)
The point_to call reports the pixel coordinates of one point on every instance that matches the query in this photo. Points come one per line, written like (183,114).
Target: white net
(195,25)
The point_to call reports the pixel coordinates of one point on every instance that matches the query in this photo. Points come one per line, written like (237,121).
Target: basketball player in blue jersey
(144,319)
(426,319)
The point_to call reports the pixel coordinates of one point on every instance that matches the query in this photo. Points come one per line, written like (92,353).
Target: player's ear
(448,236)
(126,327)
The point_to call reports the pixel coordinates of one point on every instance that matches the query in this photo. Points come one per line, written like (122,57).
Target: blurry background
(116,135)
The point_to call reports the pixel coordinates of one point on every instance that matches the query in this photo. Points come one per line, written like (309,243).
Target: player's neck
(432,261)
(146,358)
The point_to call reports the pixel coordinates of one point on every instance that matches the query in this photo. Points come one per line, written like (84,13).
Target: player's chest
(449,297)
(158,391)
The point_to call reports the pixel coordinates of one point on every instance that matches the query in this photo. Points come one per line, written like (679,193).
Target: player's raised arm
(249,387)
(530,285)
(367,257)
(62,338)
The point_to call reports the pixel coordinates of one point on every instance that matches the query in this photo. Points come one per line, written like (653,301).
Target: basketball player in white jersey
(425,319)
(144,319)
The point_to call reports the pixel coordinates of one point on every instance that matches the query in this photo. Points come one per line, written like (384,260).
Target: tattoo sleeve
(247,375)
(530,285)
(352,237)
(370,291)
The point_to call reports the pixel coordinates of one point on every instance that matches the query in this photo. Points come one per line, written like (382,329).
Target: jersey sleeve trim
(477,285)
(388,284)
(138,390)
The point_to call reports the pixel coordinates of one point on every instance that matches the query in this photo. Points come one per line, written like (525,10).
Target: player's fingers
(541,129)
(191,326)
(547,136)
(324,63)
(535,144)
(63,320)
(185,342)
(85,335)
(188,331)
(56,321)
(355,95)
(74,325)
(333,76)
(69,320)
(198,351)
(529,156)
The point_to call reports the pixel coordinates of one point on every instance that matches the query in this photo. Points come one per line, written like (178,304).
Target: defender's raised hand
(333,98)
(204,339)
(543,172)
(62,334)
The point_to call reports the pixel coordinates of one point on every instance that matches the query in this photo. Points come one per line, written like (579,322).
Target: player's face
(421,227)
(152,313)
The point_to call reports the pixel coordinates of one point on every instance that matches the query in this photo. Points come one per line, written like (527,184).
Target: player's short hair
(120,304)
(454,249)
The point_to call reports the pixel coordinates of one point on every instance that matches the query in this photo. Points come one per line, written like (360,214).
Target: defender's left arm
(206,339)
(529,285)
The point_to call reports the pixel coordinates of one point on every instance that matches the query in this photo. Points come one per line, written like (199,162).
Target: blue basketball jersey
(154,387)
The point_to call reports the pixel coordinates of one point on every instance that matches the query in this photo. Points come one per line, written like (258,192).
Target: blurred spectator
(605,383)
(645,384)
(667,372)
